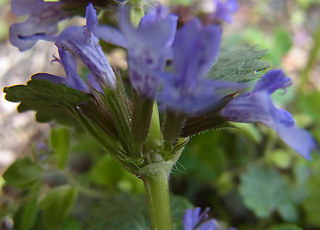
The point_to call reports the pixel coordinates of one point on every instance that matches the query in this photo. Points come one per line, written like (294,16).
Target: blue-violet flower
(43,19)
(185,90)
(257,106)
(223,10)
(148,45)
(193,219)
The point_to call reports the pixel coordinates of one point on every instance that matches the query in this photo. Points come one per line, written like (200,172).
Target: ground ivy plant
(179,83)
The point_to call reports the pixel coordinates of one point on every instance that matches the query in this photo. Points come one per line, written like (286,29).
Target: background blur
(247,176)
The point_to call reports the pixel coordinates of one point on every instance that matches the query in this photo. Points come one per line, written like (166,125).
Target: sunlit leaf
(238,64)
(50,101)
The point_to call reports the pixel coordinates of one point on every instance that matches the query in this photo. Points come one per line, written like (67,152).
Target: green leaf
(120,212)
(282,41)
(280,158)
(307,104)
(71,224)
(26,215)
(57,204)
(264,191)
(250,130)
(311,204)
(106,172)
(60,141)
(23,173)
(51,101)
(238,64)
(285,227)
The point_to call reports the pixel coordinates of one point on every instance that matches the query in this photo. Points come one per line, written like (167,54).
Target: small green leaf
(60,141)
(250,130)
(71,224)
(282,41)
(280,158)
(264,191)
(130,212)
(311,204)
(51,101)
(288,212)
(26,215)
(23,173)
(238,64)
(57,204)
(106,172)
(307,101)
(285,227)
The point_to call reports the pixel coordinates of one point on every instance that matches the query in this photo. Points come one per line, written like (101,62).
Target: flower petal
(85,45)
(195,50)
(69,64)
(192,218)
(42,22)
(257,106)
(148,47)
(26,7)
(49,77)
(273,80)
(209,225)
(224,10)
(298,139)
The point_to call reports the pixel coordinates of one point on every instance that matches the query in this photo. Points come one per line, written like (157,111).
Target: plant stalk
(157,191)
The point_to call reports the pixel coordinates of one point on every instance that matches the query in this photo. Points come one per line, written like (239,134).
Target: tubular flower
(257,106)
(195,50)
(78,41)
(193,218)
(223,10)
(43,19)
(148,46)
(72,79)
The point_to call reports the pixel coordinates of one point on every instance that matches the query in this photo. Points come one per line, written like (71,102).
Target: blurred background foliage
(245,174)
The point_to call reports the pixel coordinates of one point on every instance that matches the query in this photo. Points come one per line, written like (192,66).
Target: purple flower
(78,41)
(148,45)
(223,10)
(81,43)
(72,79)
(192,219)
(257,106)
(43,19)
(195,49)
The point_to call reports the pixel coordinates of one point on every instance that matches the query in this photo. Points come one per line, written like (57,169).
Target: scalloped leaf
(50,101)
(264,190)
(238,64)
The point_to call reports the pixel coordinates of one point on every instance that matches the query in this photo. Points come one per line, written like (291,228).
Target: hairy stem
(156,183)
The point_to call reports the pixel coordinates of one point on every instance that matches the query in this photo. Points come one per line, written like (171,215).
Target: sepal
(210,120)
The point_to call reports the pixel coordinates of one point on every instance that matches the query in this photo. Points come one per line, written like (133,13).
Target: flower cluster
(44,17)
(180,88)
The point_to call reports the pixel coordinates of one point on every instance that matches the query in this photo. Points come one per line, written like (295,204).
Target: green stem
(156,184)
(311,61)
